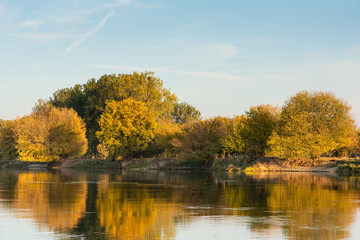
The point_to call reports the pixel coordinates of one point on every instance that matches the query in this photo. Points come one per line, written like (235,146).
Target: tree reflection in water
(153,205)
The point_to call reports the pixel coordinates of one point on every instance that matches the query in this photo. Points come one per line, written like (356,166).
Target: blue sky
(220,56)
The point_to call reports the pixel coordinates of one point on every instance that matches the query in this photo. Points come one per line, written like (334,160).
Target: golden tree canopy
(313,124)
(126,127)
(50,134)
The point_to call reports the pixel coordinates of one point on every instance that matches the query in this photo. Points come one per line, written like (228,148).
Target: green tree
(257,127)
(8,139)
(313,124)
(126,127)
(234,143)
(184,112)
(90,100)
(50,134)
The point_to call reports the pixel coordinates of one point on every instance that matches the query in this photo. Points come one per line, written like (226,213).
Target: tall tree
(90,99)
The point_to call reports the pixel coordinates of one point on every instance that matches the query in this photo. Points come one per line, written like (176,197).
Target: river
(69,204)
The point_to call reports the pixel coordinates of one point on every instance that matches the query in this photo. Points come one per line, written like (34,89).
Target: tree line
(133,115)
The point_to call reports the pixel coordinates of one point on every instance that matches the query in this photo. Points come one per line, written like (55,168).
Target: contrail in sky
(99,25)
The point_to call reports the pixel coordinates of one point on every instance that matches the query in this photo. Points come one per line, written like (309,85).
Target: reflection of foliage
(133,213)
(309,207)
(313,208)
(247,200)
(51,201)
(8,180)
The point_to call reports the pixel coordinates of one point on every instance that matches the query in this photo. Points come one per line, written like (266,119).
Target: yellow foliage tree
(50,134)
(165,131)
(126,127)
(311,125)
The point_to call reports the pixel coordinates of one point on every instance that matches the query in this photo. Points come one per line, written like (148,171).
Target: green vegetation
(184,113)
(257,127)
(132,115)
(8,139)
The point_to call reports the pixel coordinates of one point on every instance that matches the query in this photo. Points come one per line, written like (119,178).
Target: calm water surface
(167,205)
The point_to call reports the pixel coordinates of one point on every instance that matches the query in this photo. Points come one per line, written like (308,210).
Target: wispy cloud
(117,3)
(215,51)
(98,26)
(201,74)
(31,23)
(39,36)
(148,5)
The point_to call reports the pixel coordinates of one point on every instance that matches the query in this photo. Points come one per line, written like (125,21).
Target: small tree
(203,140)
(126,127)
(184,112)
(311,125)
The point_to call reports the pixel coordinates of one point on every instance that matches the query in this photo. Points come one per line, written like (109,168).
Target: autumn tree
(90,100)
(126,127)
(165,131)
(313,124)
(8,139)
(257,127)
(184,112)
(50,134)
(234,143)
(203,140)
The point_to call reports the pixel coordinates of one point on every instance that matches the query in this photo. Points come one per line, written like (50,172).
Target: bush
(203,140)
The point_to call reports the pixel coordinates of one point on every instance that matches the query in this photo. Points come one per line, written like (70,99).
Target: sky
(220,56)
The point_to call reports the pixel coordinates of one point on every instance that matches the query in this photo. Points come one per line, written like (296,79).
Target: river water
(70,204)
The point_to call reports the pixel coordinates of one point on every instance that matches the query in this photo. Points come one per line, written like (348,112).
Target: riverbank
(230,164)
